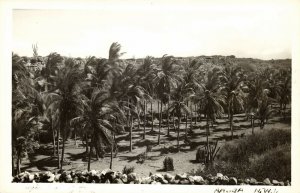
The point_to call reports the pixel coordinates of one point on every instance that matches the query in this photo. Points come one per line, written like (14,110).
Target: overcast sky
(192,30)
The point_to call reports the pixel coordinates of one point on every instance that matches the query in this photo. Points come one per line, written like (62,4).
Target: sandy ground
(183,160)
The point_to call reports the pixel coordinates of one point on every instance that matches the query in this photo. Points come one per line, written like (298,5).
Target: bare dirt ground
(43,160)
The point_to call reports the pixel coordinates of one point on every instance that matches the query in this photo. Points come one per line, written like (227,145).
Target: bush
(241,150)
(264,155)
(200,155)
(128,170)
(168,164)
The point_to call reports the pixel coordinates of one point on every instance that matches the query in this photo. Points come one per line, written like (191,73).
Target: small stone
(275,182)
(164,181)
(51,178)
(232,181)
(69,178)
(219,175)
(253,181)
(131,177)
(281,183)
(75,180)
(30,177)
(146,180)
(153,182)
(247,181)
(191,179)
(168,177)
(157,177)
(118,181)
(181,176)
(198,180)
(132,182)
(267,181)
(224,180)
(184,181)
(287,183)
(124,178)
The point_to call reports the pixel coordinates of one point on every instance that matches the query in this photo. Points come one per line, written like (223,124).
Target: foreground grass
(266,154)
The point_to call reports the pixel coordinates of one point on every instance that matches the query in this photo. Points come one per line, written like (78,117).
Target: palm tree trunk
(112,148)
(152,116)
(19,161)
(75,136)
(130,134)
(168,116)
(160,120)
(252,124)
(90,155)
(174,125)
(58,156)
(230,125)
(207,140)
(63,147)
(53,141)
(144,135)
(186,126)
(178,130)
(86,143)
(196,114)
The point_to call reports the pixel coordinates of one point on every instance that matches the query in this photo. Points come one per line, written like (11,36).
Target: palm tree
(232,78)
(145,73)
(99,114)
(66,98)
(179,107)
(284,90)
(208,95)
(167,77)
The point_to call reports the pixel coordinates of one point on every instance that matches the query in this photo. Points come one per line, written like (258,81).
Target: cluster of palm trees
(99,98)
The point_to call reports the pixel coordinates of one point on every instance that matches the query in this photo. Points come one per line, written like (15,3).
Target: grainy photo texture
(153,96)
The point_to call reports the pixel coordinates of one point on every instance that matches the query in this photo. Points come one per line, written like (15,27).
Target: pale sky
(245,31)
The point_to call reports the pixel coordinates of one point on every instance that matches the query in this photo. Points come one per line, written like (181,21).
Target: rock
(219,175)
(164,181)
(191,179)
(267,181)
(51,178)
(168,177)
(253,181)
(181,176)
(157,177)
(92,173)
(30,177)
(184,181)
(247,181)
(173,181)
(146,180)
(224,180)
(198,180)
(69,178)
(131,177)
(232,181)
(153,182)
(275,182)
(118,181)
(132,182)
(287,183)
(75,180)
(124,178)
(281,183)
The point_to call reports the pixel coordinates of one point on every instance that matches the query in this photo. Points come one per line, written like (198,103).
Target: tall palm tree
(99,114)
(232,78)
(66,98)
(167,77)
(208,95)
(178,106)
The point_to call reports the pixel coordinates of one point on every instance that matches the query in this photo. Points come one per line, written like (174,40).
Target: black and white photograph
(194,93)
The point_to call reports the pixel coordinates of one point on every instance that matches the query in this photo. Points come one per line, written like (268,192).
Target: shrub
(241,150)
(128,170)
(200,155)
(168,164)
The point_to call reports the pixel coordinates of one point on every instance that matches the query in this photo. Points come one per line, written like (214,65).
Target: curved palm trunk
(186,126)
(151,116)
(178,130)
(130,134)
(230,125)
(160,120)
(168,116)
(144,135)
(63,147)
(58,156)
(90,154)
(53,139)
(19,161)
(207,134)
